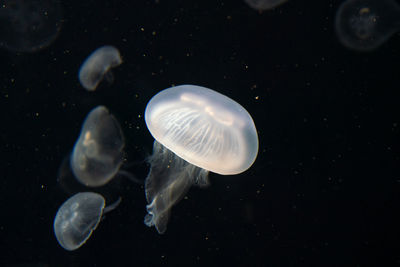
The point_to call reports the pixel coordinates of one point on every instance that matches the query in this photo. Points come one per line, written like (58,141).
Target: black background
(324,190)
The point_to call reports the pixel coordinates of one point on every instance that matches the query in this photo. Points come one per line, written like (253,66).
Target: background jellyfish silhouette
(29,25)
(264,4)
(364,25)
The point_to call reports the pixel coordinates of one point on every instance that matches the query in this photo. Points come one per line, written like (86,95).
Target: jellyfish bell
(78,217)
(98,153)
(203,127)
(98,66)
(196,130)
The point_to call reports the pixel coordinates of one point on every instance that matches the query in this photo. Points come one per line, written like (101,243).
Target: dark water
(324,190)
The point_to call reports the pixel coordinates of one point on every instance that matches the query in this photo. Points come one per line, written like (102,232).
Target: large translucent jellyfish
(364,25)
(78,217)
(98,65)
(98,153)
(29,25)
(264,4)
(196,130)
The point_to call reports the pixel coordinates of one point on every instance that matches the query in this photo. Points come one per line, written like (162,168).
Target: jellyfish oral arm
(112,206)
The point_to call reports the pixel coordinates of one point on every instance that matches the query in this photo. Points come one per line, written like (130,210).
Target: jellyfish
(78,217)
(264,4)
(29,25)
(98,66)
(98,153)
(364,25)
(196,130)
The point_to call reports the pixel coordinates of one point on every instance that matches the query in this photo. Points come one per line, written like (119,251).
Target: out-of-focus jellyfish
(196,130)
(264,4)
(98,154)
(98,66)
(364,25)
(78,217)
(29,25)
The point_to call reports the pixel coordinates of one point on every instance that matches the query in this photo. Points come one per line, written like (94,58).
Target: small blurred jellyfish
(364,25)
(264,4)
(78,217)
(196,130)
(99,151)
(29,25)
(98,66)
